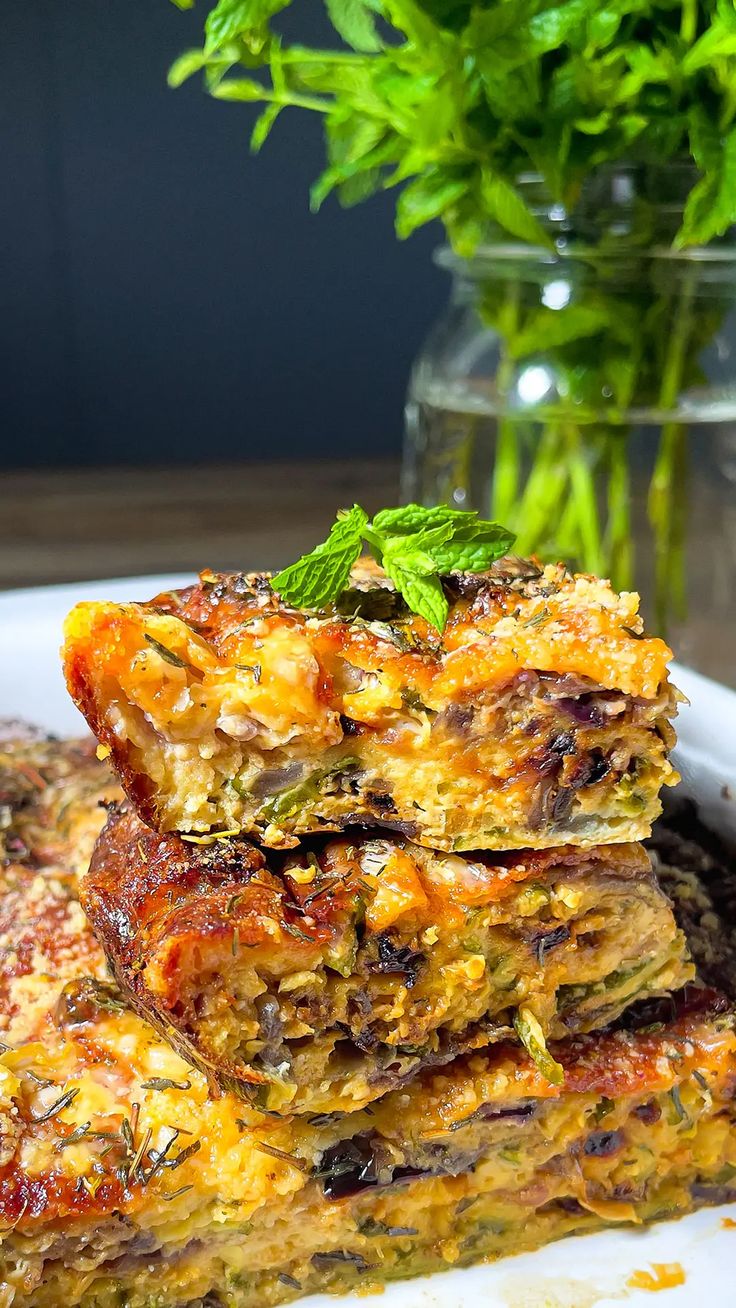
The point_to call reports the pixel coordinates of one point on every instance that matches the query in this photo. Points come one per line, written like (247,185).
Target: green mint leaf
(506,207)
(263,124)
(474,551)
(410,518)
(705,140)
(426,198)
(414,544)
(355,23)
(240,88)
(409,560)
(192,61)
(415,553)
(358,188)
(550,28)
(548,328)
(494,31)
(319,577)
(465,527)
(424,542)
(711,205)
(454,539)
(358,147)
(717,42)
(423,594)
(247,18)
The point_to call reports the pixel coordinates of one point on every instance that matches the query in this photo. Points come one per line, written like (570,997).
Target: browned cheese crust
(316,981)
(540,717)
(123,1179)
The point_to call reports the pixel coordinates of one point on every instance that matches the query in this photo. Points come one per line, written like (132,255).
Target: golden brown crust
(231,1155)
(542,709)
(123,1179)
(320,979)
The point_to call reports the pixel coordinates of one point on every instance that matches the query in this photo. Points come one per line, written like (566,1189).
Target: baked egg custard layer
(318,979)
(540,717)
(125,1180)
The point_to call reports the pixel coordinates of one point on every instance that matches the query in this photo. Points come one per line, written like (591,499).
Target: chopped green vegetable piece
(680,1113)
(289,801)
(532,1037)
(165,1083)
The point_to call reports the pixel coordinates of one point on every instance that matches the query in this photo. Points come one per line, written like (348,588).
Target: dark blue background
(165,295)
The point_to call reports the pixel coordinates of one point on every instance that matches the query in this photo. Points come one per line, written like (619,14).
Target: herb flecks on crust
(412,956)
(535,708)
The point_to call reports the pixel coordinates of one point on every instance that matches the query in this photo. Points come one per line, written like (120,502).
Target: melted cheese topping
(218,703)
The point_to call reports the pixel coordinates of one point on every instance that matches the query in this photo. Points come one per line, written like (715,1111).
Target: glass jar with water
(585,396)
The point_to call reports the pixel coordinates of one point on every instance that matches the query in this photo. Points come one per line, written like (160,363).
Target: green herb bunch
(454,101)
(457,105)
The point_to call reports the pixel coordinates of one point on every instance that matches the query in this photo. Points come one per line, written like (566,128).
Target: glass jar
(585,396)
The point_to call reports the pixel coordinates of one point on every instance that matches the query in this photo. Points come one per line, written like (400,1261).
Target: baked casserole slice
(54,798)
(123,1180)
(540,717)
(316,980)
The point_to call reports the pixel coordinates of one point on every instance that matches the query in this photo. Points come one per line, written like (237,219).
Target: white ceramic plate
(585,1272)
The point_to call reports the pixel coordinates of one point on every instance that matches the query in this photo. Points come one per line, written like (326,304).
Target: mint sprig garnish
(415,546)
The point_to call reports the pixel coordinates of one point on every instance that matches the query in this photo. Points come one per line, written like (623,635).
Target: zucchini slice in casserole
(540,717)
(318,979)
(123,1179)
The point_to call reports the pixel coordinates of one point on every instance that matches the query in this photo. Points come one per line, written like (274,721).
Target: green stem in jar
(507,469)
(667,499)
(570,469)
(667,506)
(689,21)
(462,470)
(567,536)
(507,463)
(542,499)
(581,457)
(618,543)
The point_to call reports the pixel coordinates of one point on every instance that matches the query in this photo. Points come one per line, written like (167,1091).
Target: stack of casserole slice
(381,1043)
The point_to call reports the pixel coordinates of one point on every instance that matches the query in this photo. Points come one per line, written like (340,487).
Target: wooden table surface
(116,522)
